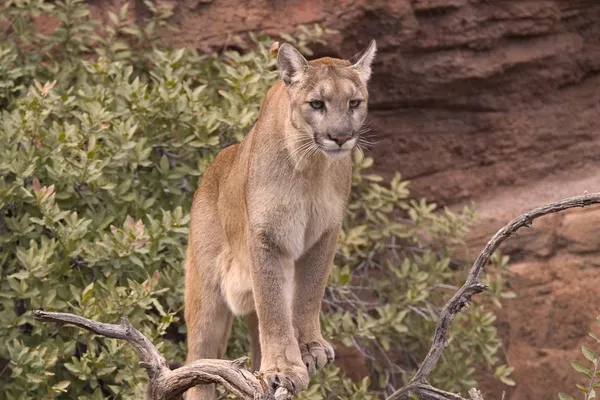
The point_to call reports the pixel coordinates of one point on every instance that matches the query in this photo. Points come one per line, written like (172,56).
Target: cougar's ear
(362,61)
(292,64)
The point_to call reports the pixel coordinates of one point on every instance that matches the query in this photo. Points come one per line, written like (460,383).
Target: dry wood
(165,384)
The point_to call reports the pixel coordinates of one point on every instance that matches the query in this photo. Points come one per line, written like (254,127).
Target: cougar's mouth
(334,151)
(332,148)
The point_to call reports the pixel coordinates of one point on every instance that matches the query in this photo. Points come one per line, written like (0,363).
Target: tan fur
(265,221)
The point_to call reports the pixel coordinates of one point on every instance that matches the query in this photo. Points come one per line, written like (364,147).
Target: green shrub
(104,134)
(589,369)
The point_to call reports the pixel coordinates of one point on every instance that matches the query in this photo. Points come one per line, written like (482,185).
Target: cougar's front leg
(312,272)
(272,281)
(207,317)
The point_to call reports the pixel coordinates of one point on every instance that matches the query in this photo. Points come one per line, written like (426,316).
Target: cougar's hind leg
(208,320)
(252,320)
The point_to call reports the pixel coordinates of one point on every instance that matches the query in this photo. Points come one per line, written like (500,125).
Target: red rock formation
(467,95)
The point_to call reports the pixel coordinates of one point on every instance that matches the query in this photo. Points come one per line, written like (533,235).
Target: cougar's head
(328,98)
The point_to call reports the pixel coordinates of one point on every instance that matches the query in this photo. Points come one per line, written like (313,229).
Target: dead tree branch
(471,287)
(165,384)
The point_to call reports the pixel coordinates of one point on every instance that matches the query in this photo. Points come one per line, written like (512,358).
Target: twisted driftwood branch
(165,384)
(472,286)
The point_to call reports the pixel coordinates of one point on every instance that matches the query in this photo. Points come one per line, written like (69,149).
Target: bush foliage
(589,369)
(104,135)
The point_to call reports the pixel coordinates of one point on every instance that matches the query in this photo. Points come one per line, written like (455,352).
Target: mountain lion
(266,218)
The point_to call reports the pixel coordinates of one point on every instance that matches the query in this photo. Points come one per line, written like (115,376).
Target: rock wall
(544,328)
(496,102)
(467,95)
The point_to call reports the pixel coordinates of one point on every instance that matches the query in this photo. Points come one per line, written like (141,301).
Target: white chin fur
(335,154)
(332,149)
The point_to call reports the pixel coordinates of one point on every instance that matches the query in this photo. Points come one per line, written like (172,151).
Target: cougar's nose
(340,139)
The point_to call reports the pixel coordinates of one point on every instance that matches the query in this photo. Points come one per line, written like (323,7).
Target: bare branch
(150,357)
(476,394)
(474,286)
(165,384)
(422,391)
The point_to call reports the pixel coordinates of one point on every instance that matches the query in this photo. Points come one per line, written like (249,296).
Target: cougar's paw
(316,354)
(292,377)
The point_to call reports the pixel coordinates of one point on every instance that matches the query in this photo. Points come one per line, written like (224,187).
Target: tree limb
(473,284)
(166,384)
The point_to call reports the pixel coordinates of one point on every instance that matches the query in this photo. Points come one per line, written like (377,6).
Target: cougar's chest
(323,210)
(296,208)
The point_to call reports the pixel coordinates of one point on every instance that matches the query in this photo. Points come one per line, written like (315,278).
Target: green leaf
(113,17)
(164,164)
(589,354)
(136,260)
(507,381)
(582,388)
(20,275)
(579,367)
(87,293)
(563,396)
(33,378)
(61,386)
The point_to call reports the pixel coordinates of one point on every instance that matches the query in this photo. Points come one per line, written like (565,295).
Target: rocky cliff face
(467,95)
(496,102)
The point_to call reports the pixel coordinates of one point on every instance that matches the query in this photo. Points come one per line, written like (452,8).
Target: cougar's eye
(317,104)
(354,103)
